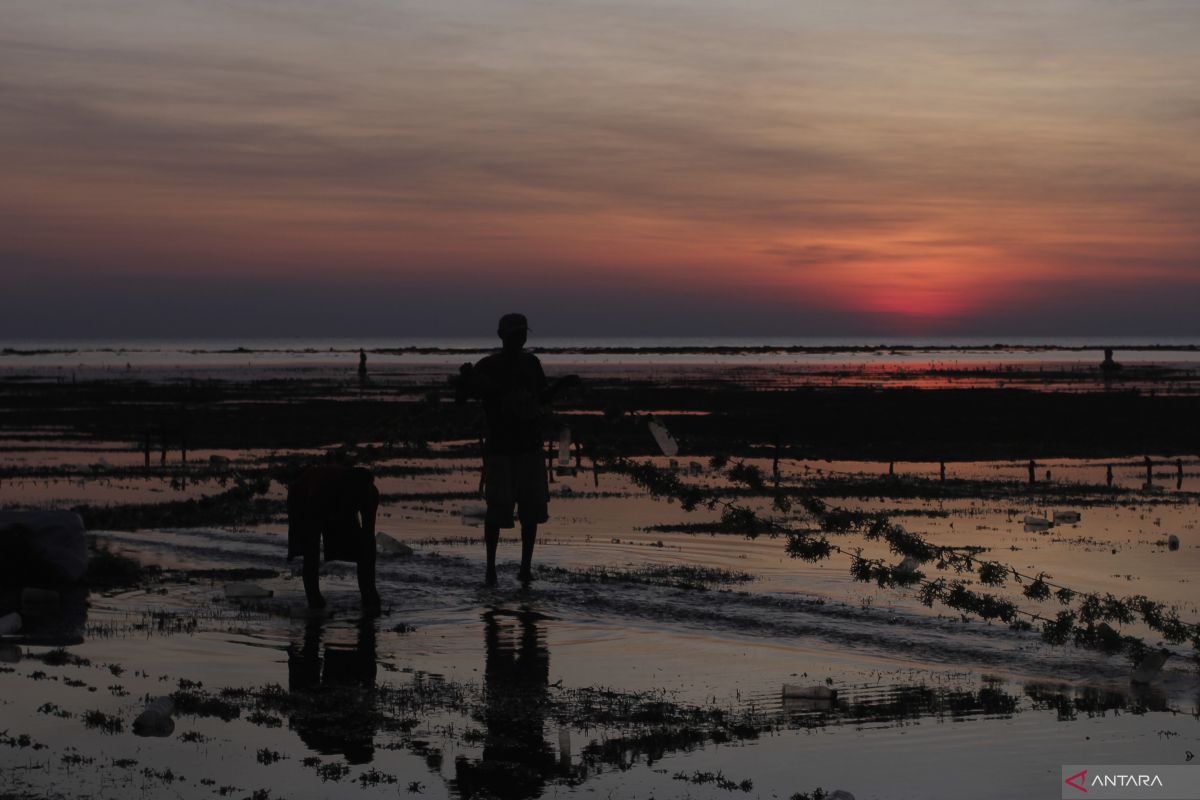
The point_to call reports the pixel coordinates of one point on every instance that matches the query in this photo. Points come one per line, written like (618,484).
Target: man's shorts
(516,480)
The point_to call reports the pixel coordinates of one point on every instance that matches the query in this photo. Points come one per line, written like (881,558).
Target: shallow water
(938,705)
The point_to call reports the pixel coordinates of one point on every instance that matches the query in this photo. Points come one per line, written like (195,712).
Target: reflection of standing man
(517,760)
(514,391)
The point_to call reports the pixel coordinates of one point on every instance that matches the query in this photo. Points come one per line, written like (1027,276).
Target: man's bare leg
(311,570)
(491,538)
(528,538)
(372,606)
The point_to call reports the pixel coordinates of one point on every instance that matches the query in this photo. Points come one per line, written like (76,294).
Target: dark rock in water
(1172,542)
(10,623)
(1149,667)
(43,546)
(156,720)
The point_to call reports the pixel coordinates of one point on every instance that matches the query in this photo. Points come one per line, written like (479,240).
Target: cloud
(819,150)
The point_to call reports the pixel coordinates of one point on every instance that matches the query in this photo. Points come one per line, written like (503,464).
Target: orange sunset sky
(384,167)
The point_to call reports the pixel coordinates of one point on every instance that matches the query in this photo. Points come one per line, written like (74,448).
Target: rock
(473,514)
(10,623)
(156,720)
(1148,668)
(390,546)
(10,653)
(242,591)
(1067,517)
(1037,524)
(695,467)
(792,690)
(218,462)
(1172,542)
(908,566)
(54,541)
(841,794)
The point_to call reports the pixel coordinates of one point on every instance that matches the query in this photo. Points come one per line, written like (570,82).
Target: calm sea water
(865,360)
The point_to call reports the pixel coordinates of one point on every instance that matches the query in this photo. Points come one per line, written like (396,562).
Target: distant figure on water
(515,392)
(362,365)
(1032,472)
(1108,366)
(334,506)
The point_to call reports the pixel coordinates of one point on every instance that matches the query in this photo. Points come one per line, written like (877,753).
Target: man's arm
(473,381)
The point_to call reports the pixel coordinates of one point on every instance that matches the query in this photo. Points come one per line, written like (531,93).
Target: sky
(749,167)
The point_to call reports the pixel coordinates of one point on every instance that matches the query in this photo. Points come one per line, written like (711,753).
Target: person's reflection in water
(517,760)
(336,714)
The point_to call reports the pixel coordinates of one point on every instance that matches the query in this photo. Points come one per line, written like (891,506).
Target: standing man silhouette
(514,391)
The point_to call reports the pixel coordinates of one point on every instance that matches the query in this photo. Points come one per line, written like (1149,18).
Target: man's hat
(512,322)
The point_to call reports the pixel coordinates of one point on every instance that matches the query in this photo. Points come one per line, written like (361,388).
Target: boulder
(1149,667)
(156,720)
(10,623)
(390,546)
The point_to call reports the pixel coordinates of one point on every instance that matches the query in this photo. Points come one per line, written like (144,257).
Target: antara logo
(1079,781)
(1081,777)
(1126,780)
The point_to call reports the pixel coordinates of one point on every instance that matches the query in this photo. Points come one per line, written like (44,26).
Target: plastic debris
(10,623)
(666,442)
(564,447)
(1149,667)
(1172,542)
(1067,517)
(564,743)
(241,591)
(792,690)
(389,545)
(156,720)
(474,514)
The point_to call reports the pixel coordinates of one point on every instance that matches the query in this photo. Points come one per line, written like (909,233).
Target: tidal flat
(660,651)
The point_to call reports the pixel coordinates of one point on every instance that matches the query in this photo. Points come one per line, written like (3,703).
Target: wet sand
(649,656)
